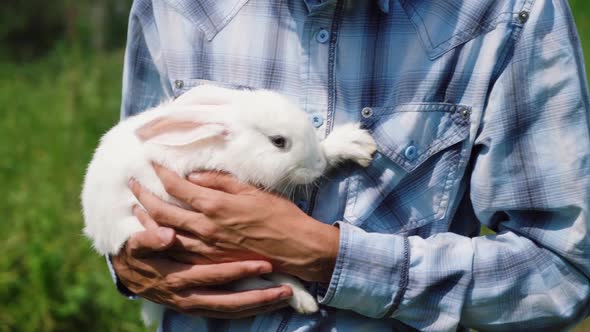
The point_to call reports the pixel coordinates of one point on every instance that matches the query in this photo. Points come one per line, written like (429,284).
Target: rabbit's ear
(172,131)
(207,95)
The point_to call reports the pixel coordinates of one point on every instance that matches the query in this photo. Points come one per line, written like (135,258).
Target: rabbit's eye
(278,141)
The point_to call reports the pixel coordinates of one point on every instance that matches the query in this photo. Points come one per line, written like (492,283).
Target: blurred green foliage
(50,280)
(30,29)
(60,90)
(581,11)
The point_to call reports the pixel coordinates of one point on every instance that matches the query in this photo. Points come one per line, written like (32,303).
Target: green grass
(55,110)
(581,11)
(50,280)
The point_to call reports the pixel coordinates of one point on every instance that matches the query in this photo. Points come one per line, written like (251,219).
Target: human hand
(231,217)
(143,268)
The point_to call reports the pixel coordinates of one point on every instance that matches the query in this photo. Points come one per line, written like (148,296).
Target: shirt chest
(415,78)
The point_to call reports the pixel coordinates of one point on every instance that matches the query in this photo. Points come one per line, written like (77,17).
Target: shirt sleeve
(145,82)
(145,79)
(529,181)
(120,287)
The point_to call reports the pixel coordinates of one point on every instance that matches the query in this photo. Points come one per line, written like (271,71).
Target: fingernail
(264,269)
(284,296)
(131,183)
(165,235)
(195,177)
(135,208)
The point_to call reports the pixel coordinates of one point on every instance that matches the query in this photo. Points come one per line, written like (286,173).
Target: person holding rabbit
(216,129)
(479,112)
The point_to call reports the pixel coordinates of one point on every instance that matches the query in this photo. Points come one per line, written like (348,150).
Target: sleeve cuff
(371,273)
(120,287)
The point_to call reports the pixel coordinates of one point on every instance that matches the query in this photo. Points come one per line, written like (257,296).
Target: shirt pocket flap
(182,85)
(410,133)
(419,149)
(444,25)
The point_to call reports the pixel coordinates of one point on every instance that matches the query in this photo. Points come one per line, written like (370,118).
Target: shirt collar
(212,16)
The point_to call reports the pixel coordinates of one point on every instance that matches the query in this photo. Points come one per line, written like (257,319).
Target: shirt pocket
(182,85)
(422,148)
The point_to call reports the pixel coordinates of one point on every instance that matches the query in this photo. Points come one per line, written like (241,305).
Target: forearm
(490,283)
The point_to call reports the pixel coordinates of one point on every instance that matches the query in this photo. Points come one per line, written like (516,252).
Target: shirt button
(367,112)
(465,113)
(523,16)
(410,152)
(178,84)
(322,36)
(317,120)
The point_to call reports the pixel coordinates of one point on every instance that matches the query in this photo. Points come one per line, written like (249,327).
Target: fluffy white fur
(211,128)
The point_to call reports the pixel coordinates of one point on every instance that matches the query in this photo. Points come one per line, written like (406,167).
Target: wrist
(323,243)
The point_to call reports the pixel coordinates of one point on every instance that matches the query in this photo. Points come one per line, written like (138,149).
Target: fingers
(155,206)
(219,181)
(230,301)
(151,240)
(214,274)
(169,215)
(199,198)
(239,314)
(192,244)
(197,251)
(184,287)
(189,258)
(144,218)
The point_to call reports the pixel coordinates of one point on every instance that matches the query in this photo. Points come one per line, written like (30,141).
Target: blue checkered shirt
(480,112)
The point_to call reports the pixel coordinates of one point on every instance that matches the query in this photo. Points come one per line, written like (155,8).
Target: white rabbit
(258,136)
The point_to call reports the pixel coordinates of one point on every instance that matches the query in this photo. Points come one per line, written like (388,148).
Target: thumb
(149,241)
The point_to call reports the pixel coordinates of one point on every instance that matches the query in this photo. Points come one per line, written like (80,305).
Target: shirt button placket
(367,112)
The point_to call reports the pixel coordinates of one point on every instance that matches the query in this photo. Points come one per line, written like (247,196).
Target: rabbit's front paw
(303,302)
(362,147)
(349,142)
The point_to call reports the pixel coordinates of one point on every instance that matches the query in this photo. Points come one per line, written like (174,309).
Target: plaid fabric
(480,111)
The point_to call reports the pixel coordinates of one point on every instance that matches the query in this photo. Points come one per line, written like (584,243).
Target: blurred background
(60,84)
